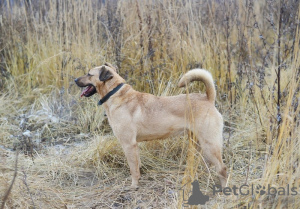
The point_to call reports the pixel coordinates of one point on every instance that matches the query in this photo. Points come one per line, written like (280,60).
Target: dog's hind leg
(139,157)
(211,145)
(213,154)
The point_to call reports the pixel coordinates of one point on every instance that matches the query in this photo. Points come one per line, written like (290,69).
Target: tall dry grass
(69,157)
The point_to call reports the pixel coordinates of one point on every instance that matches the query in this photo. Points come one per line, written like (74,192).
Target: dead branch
(12,182)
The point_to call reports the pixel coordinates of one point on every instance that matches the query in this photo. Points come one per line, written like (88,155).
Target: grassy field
(57,149)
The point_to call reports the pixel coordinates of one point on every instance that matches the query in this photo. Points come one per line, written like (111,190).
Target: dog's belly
(146,135)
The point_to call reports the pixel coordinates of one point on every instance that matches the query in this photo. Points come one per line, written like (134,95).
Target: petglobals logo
(197,197)
(245,190)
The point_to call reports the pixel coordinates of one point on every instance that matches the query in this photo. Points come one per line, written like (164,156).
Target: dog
(135,116)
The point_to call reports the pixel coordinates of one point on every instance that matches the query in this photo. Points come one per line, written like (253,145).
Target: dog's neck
(109,94)
(108,89)
(105,87)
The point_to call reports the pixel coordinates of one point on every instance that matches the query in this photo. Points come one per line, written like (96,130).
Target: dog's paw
(130,188)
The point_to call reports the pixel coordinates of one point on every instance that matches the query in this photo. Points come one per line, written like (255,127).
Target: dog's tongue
(85,90)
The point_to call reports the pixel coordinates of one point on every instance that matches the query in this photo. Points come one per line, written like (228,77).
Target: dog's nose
(76,80)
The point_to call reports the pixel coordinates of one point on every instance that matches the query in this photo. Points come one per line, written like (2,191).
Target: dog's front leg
(130,148)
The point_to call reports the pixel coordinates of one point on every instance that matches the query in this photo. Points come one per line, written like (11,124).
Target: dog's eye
(89,74)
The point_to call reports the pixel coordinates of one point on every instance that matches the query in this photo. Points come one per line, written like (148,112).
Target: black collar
(109,94)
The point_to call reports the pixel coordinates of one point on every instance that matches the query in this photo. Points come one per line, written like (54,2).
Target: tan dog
(136,116)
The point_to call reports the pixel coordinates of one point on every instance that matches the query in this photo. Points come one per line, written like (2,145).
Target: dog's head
(96,79)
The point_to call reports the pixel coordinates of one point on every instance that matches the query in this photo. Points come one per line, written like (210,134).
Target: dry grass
(69,157)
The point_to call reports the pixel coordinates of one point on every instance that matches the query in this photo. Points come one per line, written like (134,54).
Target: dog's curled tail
(200,75)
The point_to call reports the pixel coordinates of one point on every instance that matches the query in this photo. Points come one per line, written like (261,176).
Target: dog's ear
(105,74)
(111,66)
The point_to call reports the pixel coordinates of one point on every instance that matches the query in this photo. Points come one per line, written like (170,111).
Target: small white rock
(27,133)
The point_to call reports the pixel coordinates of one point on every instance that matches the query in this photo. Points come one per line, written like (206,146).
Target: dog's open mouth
(88,91)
